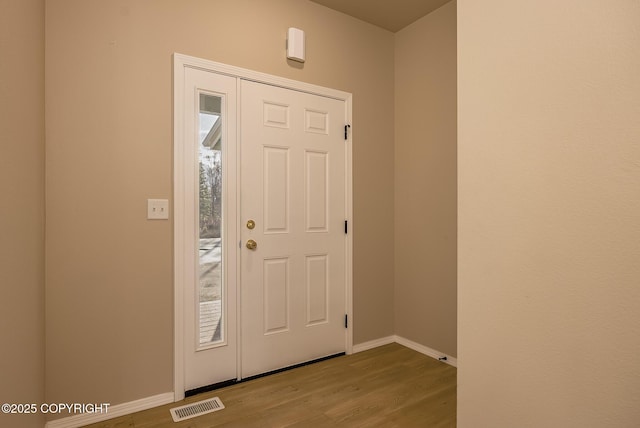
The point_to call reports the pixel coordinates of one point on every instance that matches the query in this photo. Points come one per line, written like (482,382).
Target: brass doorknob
(251,224)
(251,244)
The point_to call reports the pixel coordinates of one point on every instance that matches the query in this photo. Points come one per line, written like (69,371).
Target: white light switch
(157,209)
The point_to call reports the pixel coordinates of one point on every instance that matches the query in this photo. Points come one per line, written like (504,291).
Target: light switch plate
(157,209)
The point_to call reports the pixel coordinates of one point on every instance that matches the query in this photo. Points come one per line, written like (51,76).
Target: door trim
(180,63)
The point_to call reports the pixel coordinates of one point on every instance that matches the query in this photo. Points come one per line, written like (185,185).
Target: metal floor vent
(196,409)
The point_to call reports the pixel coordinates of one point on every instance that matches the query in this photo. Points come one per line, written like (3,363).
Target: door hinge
(346,132)
(346,321)
(346,227)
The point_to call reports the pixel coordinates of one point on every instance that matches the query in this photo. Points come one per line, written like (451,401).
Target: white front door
(206,214)
(293,207)
(278,157)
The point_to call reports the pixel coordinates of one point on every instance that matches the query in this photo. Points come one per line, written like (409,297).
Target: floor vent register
(200,408)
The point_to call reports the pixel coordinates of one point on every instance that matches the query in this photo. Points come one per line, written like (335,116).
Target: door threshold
(295,366)
(212,387)
(230,382)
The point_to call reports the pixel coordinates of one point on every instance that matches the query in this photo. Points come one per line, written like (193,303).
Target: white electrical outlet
(157,209)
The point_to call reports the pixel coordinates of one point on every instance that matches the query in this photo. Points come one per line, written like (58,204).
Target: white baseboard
(409,344)
(373,344)
(452,361)
(113,412)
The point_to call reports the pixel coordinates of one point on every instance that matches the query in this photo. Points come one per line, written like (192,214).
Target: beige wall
(22,207)
(109,148)
(425,180)
(549,209)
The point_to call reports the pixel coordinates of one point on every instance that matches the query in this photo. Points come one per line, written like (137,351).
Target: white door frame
(180,62)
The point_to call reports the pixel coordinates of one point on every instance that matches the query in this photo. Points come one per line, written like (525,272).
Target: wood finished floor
(389,386)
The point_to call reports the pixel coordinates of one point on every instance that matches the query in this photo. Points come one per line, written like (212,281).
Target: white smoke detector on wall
(295,44)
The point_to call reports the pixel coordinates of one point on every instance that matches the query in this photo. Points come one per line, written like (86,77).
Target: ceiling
(390,15)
